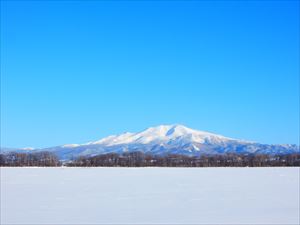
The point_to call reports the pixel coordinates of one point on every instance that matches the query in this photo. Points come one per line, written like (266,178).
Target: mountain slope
(168,139)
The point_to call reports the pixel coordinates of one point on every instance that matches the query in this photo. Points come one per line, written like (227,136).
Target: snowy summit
(163,134)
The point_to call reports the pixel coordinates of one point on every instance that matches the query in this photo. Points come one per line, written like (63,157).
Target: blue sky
(73,72)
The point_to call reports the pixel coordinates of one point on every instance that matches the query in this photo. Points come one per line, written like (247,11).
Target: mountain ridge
(166,139)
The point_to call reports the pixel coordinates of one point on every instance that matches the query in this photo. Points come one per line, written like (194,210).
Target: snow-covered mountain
(167,139)
(163,134)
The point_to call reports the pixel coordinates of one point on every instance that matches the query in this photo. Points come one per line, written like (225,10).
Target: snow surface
(70,145)
(150,196)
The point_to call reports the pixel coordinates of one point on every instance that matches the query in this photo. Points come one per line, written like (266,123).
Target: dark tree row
(139,159)
(29,159)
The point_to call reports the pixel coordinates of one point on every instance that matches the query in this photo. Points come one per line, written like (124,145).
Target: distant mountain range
(164,139)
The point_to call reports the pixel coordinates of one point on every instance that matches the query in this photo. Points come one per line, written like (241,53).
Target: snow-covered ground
(150,195)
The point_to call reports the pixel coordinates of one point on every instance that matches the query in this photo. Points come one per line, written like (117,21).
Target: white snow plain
(150,195)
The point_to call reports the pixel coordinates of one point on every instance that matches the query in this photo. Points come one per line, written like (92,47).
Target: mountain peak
(162,134)
(165,130)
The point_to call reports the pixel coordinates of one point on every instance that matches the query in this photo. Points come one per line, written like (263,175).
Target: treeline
(139,159)
(41,159)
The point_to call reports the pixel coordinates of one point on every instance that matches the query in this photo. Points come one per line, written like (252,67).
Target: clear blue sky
(73,72)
